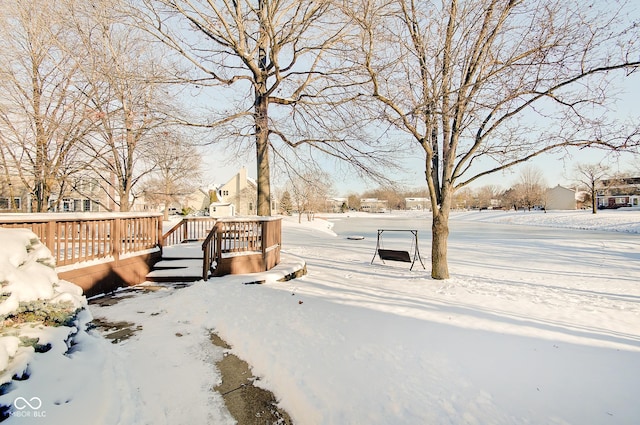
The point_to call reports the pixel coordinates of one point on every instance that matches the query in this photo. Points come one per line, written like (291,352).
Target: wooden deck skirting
(100,252)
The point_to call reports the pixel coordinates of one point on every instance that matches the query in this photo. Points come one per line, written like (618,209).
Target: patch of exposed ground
(108,299)
(248,404)
(121,330)
(116,331)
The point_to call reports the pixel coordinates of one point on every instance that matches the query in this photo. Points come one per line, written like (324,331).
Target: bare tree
(530,189)
(393,196)
(309,190)
(43,116)
(354,201)
(274,62)
(501,81)
(485,195)
(464,199)
(176,173)
(590,175)
(125,85)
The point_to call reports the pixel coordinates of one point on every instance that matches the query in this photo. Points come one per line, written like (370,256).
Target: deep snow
(534,327)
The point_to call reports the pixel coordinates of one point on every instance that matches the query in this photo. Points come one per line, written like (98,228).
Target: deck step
(181,274)
(188,250)
(180,263)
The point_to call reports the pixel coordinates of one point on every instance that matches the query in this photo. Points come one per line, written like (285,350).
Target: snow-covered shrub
(30,289)
(32,299)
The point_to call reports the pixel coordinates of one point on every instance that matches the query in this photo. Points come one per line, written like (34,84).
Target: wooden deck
(101,252)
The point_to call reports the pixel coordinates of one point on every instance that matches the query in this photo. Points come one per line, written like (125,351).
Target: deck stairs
(180,263)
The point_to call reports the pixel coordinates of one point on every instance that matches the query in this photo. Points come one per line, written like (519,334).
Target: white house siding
(242,192)
(560,198)
(417,203)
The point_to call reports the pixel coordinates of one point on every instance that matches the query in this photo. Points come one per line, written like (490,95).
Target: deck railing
(233,237)
(188,229)
(236,245)
(74,238)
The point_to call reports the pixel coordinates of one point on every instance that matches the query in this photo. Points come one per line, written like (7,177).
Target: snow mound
(32,301)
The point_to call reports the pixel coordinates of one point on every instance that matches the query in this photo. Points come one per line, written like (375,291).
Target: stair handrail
(210,250)
(191,228)
(170,235)
(235,237)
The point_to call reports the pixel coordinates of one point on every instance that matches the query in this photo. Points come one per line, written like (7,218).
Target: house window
(5,205)
(86,205)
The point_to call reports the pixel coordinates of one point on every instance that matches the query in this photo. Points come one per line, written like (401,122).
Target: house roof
(561,188)
(626,181)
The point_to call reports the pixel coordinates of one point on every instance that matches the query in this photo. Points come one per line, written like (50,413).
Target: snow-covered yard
(538,325)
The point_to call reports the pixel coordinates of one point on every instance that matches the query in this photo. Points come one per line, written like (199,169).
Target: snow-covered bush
(32,298)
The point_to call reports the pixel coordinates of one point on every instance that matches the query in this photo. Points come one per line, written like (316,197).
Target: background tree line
(314,193)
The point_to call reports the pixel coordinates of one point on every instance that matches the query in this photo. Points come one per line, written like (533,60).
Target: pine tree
(285,203)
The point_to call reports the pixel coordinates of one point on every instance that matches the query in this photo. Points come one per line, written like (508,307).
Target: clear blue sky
(558,170)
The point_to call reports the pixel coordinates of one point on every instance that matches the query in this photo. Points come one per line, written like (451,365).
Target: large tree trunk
(261,112)
(40,179)
(262,155)
(439,237)
(440,234)
(124,202)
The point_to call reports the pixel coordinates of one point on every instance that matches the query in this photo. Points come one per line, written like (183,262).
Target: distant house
(417,203)
(14,197)
(83,196)
(615,193)
(336,204)
(198,200)
(560,198)
(242,192)
(373,205)
(219,207)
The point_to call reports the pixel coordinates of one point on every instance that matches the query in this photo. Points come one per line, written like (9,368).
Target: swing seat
(398,255)
(394,255)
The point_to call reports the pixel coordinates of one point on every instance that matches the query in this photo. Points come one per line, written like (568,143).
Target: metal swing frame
(398,255)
